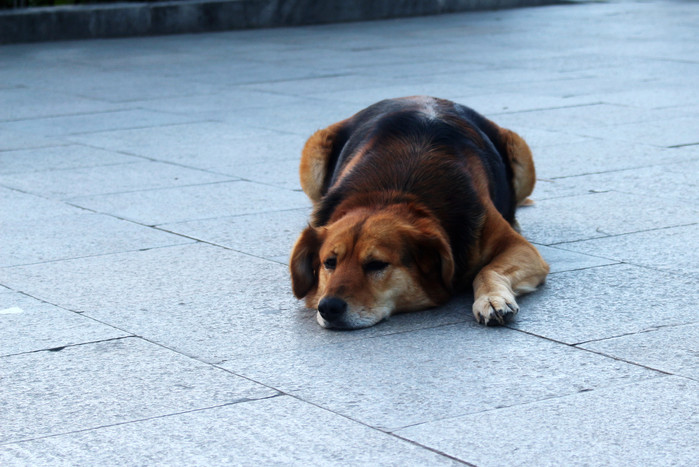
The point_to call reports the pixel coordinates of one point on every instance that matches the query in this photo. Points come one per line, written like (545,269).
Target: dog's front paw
(494,310)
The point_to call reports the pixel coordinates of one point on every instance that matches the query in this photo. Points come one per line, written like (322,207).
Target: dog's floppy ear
(304,262)
(432,253)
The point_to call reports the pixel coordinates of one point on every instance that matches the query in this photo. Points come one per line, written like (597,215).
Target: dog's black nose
(332,308)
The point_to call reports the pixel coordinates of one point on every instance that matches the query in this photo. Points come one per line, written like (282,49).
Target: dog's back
(433,151)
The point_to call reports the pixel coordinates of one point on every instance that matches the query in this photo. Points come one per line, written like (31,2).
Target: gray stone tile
(144,83)
(603,302)
(277,431)
(561,260)
(29,325)
(583,117)
(93,122)
(668,250)
(663,133)
(205,301)
(117,381)
(284,174)
(19,207)
(677,181)
(71,156)
(597,215)
(595,156)
(228,102)
(671,349)
(169,205)
(74,236)
(646,423)
(134,176)
(200,145)
(538,138)
(394,381)
(248,72)
(268,235)
(656,96)
(25,103)
(13,139)
(494,104)
(316,113)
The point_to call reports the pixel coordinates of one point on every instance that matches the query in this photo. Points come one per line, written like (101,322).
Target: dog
(414,198)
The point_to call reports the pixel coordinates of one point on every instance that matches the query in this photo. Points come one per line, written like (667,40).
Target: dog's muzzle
(332,309)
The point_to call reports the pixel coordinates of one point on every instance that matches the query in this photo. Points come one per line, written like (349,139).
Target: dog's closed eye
(375,266)
(330,263)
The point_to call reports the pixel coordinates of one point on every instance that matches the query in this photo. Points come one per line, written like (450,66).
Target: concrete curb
(191,16)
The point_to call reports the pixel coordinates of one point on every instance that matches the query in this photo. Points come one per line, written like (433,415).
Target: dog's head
(369,264)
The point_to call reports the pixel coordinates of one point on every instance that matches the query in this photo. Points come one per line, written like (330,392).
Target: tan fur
(522,164)
(513,266)
(314,160)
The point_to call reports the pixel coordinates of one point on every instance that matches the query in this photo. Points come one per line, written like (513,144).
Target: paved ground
(150,200)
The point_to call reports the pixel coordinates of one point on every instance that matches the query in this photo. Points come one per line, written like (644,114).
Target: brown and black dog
(414,198)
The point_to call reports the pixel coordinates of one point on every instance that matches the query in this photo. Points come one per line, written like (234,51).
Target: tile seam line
(546,399)
(645,331)
(346,417)
(98,255)
(627,169)
(575,346)
(241,400)
(67,346)
(233,179)
(385,432)
(608,235)
(128,128)
(542,109)
(208,170)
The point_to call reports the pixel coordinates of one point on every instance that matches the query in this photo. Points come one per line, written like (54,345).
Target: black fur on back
(413,153)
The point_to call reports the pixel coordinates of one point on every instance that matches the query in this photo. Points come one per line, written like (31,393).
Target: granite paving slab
(266,235)
(208,302)
(677,181)
(74,236)
(318,113)
(19,139)
(275,431)
(390,382)
(105,383)
(604,302)
(595,115)
(20,207)
(651,423)
(30,325)
(201,145)
(152,207)
(93,122)
(596,155)
(226,102)
(668,132)
(669,250)
(24,103)
(672,349)
(134,176)
(560,260)
(284,174)
(594,215)
(656,96)
(70,156)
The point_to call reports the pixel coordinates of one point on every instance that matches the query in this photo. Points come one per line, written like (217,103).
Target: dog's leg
(314,159)
(515,267)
